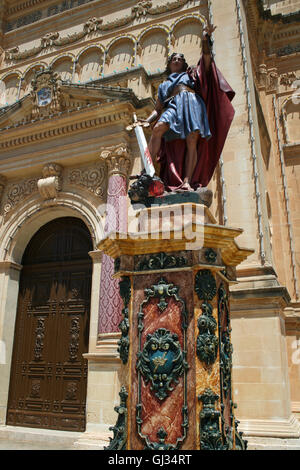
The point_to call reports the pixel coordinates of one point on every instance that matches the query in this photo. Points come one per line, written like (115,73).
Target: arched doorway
(49,375)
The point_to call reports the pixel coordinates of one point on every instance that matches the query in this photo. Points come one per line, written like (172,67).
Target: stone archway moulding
(32,215)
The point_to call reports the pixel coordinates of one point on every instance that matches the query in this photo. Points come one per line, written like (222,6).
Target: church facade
(72,74)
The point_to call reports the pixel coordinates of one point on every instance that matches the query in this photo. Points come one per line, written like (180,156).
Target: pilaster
(118,162)
(9,286)
(243,171)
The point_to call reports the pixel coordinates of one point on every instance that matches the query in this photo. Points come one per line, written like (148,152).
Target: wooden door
(49,375)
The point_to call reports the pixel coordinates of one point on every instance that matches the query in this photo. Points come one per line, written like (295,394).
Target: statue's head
(176,63)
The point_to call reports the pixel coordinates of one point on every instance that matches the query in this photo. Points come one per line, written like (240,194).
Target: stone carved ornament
(91,178)
(267,77)
(46,93)
(141,9)
(117,159)
(51,183)
(17,192)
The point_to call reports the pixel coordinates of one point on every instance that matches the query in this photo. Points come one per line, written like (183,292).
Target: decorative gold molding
(176,240)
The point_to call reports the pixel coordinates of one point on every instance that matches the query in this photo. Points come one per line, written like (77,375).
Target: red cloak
(217,95)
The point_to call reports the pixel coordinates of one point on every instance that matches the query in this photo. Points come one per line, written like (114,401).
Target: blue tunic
(185,112)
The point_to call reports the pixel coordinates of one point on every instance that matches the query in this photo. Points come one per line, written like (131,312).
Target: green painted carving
(205,285)
(232,438)
(119,440)
(161,444)
(240,443)
(226,348)
(162,290)
(124,343)
(210,435)
(210,255)
(207,342)
(161,261)
(226,351)
(161,362)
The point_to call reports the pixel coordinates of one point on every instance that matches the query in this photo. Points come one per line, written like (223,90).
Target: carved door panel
(49,375)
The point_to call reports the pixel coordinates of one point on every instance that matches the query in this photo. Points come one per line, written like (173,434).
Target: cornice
(26,5)
(278,18)
(275,35)
(64,123)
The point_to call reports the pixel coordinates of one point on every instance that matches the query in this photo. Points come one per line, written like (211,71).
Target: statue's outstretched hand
(140,122)
(209,29)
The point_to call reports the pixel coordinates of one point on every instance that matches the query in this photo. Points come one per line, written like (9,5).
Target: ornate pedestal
(175,345)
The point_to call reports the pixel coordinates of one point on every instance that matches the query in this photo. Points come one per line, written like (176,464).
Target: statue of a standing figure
(192,117)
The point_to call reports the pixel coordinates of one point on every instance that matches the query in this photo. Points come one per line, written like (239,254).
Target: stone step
(45,438)
(265,443)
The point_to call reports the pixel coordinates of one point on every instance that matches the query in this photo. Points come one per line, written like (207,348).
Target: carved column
(110,305)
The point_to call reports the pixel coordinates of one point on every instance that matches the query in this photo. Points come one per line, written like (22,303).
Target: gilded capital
(117,159)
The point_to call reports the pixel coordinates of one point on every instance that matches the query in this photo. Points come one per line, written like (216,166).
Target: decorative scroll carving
(161,261)
(39,339)
(92,178)
(207,342)
(17,192)
(74,339)
(161,362)
(123,343)
(226,348)
(141,9)
(162,290)
(119,440)
(51,183)
(161,444)
(230,434)
(210,435)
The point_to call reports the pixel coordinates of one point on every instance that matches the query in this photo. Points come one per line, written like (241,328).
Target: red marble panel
(167,413)
(157,413)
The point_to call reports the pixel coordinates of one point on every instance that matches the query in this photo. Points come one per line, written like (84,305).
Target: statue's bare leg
(155,142)
(191,159)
